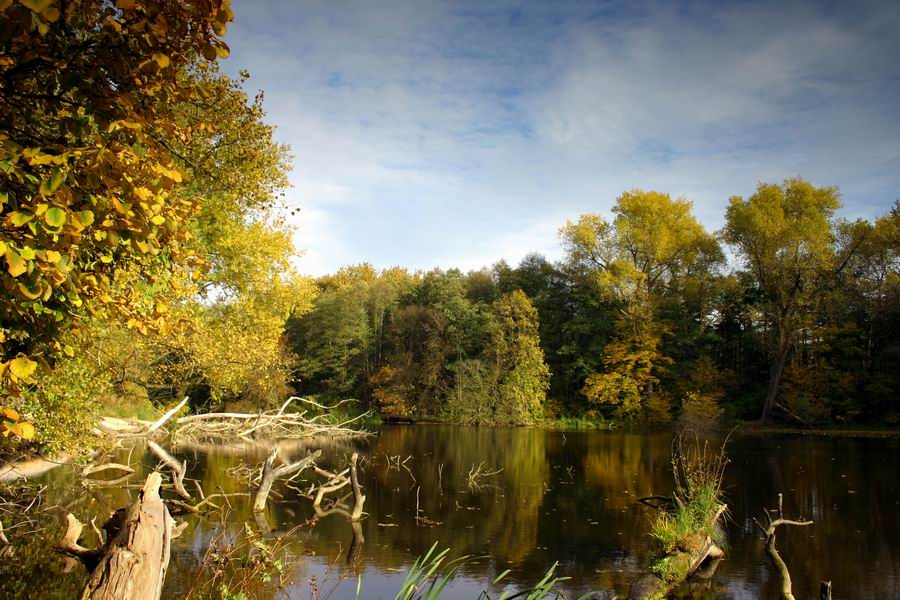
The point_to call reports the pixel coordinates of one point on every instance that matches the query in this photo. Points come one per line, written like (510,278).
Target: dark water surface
(567,497)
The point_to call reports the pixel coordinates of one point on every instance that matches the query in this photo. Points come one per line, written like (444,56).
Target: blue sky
(458,133)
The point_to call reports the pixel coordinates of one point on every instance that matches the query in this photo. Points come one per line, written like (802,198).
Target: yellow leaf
(14,263)
(29,292)
(22,367)
(143,193)
(52,256)
(161,59)
(24,430)
(37,6)
(9,413)
(51,14)
(222,51)
(158,220)
(49,186)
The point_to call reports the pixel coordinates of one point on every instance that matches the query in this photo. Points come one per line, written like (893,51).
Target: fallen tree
(274,423)
(132,563)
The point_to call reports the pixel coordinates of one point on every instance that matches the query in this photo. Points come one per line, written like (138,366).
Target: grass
(695,508)
(429,576)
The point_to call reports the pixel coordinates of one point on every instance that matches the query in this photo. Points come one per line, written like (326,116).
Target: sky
(458,133)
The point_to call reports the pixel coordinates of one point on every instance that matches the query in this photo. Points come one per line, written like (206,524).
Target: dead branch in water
(274,423)
(270,473)
(178,468)
(117,427)
(769,534)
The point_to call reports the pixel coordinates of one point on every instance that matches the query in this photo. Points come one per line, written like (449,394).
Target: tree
(645,254)
(517,361)
(92,222)
(785,235)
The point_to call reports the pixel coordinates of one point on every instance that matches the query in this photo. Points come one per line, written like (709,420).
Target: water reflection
(557,497)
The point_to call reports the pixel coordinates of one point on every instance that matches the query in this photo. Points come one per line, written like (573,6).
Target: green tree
(785,235)
(653,244)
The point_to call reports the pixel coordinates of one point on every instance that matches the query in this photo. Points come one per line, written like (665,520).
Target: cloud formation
(459,133)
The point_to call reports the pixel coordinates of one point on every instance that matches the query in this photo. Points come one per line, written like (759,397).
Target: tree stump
(132,564)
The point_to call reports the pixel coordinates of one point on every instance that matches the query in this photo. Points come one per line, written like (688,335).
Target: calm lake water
(567,497)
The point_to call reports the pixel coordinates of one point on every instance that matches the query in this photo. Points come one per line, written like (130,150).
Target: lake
(545,496)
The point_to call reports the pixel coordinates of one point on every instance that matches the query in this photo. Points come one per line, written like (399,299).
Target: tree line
(145,255)
(788,312)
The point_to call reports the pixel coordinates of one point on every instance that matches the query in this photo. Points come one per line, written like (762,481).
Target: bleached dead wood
(270,474)
(132,564)
(274,423)
(178,469)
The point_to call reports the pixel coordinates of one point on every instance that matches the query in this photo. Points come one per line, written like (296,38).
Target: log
(685,563)
(162,420)
(132,564)
(270,473)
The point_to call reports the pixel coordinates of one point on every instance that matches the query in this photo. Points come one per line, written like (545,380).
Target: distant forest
(787,313)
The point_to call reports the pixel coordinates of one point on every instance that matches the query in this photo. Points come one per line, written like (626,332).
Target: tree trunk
(132,565)
(784,348)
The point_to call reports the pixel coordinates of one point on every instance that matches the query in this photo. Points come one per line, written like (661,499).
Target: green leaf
(18,218)
(49,186)
(85,217)
(55,217)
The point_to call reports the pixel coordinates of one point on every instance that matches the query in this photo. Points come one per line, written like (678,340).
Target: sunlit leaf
(22,367)
(55,217)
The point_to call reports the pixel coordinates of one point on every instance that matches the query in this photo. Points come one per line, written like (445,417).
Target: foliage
(93,218)
(785,236)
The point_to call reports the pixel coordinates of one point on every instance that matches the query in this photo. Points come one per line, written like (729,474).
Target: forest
(147,255)
(788,313)
(156,323)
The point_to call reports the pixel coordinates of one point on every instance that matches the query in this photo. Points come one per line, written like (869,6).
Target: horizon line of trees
(643,320)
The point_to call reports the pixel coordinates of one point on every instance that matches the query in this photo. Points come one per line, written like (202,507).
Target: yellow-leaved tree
(647,252)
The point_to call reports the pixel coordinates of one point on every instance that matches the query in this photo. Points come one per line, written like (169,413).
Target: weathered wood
(652,587)
(270,473)
(162,420)
(825,590)
(769,533)
(132,564)
(178,469)
(358,498)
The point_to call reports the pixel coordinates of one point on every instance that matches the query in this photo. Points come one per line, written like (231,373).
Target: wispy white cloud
(459,133)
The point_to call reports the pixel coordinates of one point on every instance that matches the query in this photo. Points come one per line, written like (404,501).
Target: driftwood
(178,468)
(769,533)
(117,427)
(274,423)
(132,564)
(270,473)
(358,497)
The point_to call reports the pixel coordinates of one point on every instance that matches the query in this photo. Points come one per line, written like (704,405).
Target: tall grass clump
(696,505)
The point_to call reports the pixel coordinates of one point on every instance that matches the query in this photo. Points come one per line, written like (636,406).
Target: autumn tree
(91,222)
(785,236)
(653,244)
